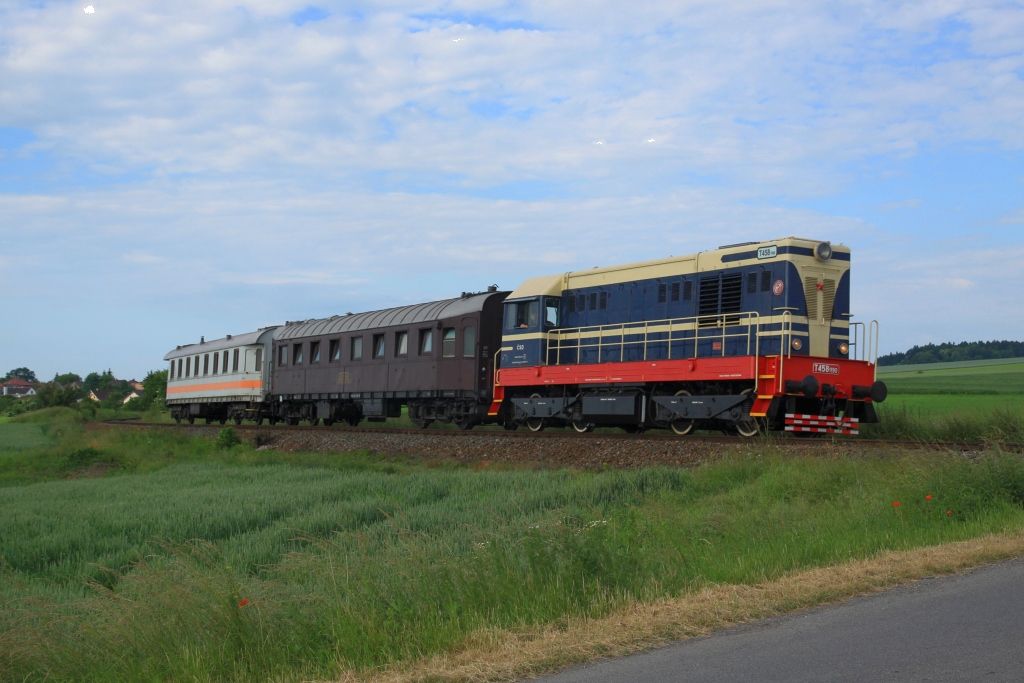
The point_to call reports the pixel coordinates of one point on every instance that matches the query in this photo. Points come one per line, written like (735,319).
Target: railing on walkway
(669,339)
(864,342)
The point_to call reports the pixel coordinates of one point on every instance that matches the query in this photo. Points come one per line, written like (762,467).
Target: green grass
(186,560)
(969,377)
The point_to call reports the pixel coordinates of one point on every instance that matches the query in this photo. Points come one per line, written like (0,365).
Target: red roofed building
(17,387)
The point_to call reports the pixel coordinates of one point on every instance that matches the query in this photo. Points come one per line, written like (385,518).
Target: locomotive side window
(593,301)
(234,361)
(297,354)
(766,280)
(581,302)
(751,283)
(662,293)
(469,341)
(334,350)
(604,301)
(378,346)
(401,343)
(522,314)
(551,313)
(314,352)
(426,342)
(687,290)
(357,348)
(675,291)
(448,342)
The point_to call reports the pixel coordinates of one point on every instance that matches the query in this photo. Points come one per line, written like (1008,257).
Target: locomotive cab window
(522,315)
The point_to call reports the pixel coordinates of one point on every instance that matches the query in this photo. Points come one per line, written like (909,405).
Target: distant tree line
(948,352)
(67,389)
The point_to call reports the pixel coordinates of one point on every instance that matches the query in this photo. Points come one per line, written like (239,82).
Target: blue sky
(177,170)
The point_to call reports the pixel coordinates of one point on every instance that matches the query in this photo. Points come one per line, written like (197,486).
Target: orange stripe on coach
(216,386)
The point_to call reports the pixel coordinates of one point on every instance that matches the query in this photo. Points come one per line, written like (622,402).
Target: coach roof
(229,342)
(389,317)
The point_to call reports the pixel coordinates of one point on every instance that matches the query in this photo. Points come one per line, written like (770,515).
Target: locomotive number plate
(825,369)
(768,252)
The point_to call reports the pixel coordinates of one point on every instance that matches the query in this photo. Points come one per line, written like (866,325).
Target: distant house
(136,385)
(17,387)
(98,396)
(136,393)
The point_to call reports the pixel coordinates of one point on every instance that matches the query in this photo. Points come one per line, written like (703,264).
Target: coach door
(472,373)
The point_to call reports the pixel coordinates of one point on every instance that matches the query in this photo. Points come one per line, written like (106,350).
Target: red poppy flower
(949,513)
(243,602)
(896,503)
(928,497)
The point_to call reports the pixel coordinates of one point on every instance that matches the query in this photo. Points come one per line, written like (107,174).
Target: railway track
(552,447)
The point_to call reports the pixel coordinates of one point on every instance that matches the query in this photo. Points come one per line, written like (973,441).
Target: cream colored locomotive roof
(554,285)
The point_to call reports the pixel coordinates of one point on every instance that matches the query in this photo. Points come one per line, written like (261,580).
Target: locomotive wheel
(535,424)
(464,424)
(582,426)
(747,426)
(682,427)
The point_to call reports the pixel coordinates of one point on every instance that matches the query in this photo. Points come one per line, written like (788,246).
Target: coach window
(234,361)
(469,341)
(378,346)
(314,352)
(334,350)
(206,364)
(259,359)
(216,363)
(170,373)
(195,366)
(448,342)
(426,342)
(178,375)
(224,362)
(296,354)
(357,348)
(401,343)
(282,355)
(188,367)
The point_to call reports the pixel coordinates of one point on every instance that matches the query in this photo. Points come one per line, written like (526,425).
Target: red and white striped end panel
(822,430)
(822,424)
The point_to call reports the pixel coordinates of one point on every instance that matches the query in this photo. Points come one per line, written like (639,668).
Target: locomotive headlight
(797,343)
(823,252)
(844,348)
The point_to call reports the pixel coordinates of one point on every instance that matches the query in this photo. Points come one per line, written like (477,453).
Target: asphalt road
(967,627)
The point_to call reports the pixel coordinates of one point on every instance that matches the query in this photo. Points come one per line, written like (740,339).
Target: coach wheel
(422,422)
(314,421)
(177,419)
(328,422)
(353,421)
(535,424)
(223,420)
(292,421)
(237,419)
(191,419)
(684,426)
(259,420)
(582,426)
(465,424)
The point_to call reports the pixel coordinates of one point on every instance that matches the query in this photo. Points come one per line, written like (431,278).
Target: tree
(56,394)
(154,388)
(22,373)
(67,378)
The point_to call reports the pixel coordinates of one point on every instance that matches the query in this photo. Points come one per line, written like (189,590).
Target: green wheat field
(130,555)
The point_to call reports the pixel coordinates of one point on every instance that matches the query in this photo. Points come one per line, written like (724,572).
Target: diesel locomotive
(744,338)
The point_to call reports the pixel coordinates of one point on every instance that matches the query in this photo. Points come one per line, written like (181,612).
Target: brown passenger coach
(436,358)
